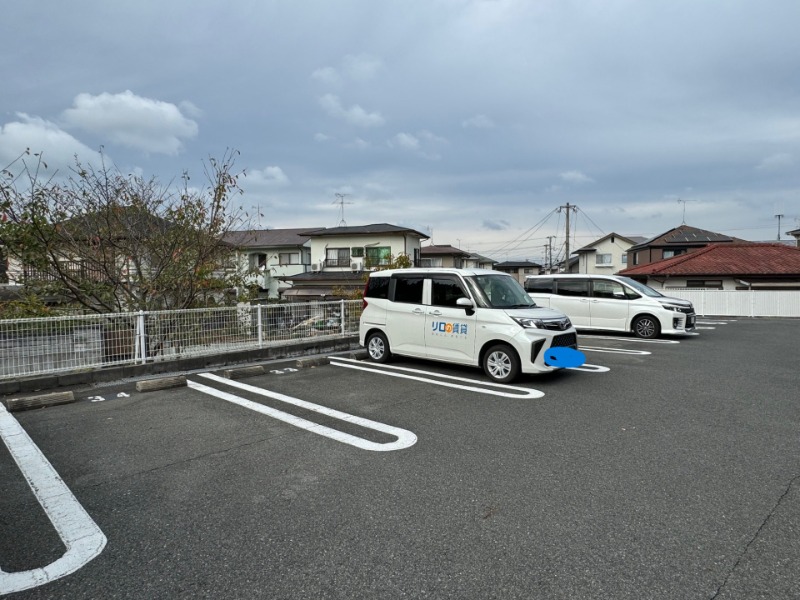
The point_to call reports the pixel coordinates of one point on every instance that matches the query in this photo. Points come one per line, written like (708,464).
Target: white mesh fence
(52,345)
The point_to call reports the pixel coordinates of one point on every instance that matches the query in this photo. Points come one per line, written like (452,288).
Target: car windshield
(500,291)
(641,288)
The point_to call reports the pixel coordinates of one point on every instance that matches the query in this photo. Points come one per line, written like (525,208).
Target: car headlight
(672,307)
(529,323)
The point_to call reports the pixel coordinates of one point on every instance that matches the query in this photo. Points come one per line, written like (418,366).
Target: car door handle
(436,313)
(417,311)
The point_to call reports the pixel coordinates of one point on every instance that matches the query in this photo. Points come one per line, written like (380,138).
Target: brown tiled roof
(435,250)
(731,259)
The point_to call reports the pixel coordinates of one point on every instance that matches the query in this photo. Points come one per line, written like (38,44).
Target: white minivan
(475,317)
(611,302)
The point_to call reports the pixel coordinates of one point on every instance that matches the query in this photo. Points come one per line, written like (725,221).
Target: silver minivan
(474,317)
(614,303)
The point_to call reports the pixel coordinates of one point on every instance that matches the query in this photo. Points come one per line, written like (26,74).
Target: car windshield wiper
(522,306)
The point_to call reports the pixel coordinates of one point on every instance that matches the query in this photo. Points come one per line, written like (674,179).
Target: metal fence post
(140,327)
(341,315)
(260,329)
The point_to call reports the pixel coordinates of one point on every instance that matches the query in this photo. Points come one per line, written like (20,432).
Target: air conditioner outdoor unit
(315,268)
(356,266)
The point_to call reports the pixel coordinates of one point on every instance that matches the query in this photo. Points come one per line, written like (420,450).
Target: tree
(110,242)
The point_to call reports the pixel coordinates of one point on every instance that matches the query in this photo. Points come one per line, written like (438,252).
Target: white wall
(587,261)
(742,303)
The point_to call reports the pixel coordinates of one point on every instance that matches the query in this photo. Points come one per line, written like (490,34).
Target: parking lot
(664,469)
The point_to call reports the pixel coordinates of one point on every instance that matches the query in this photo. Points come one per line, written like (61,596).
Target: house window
(380,256)
(356,251)
(337,257)
(635,258)
(710,284)
(431,262)
(624,259)
(603,260)
(289,258)
(258,261)
(672,253)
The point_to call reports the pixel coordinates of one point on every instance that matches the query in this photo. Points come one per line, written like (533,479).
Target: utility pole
(567,210)
(550,239)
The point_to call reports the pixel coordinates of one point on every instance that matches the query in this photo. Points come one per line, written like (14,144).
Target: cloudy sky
(474,120)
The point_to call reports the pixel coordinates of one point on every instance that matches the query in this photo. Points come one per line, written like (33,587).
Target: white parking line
(716,322)
(590,368)
(508,390)
(629,339)
(701,327)
(615,350)
(80,534)
(405,438)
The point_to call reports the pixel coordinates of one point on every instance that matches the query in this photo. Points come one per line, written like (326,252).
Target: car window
(408,289)
(602,288)
(502,291)
(445,291)
(542,286)
(378,287)
(573,287)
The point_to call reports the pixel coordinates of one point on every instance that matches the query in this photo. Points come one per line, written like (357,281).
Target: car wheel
(378,347)
(646,327)
(501,363)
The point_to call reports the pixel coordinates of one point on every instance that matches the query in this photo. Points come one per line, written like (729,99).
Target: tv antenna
(341,202)
(779,217)
(682,201)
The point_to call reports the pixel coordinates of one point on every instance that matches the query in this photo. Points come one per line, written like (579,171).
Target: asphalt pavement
(669,471)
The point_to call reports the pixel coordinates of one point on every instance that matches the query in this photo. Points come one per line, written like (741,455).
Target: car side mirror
(466,304)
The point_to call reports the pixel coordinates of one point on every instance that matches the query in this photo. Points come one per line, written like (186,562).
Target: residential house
(796,234)
(678,240)
(606,255)
(341,255)
(476,261)
(725,266)
(570,266)
(442,255)
(271,254)
(519,269)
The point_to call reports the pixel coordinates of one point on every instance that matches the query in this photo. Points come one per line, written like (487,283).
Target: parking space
(666,469)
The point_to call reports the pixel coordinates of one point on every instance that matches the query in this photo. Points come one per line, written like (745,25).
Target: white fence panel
(61,344)
(741,303)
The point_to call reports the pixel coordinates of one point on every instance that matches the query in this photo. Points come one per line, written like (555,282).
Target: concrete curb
(39,401)
(162,383)
(244,372)
(92,377)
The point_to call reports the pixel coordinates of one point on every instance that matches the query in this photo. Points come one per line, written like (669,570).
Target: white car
(613,303)
(474,317)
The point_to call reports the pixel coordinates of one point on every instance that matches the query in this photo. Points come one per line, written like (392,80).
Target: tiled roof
(365,229)
(435,250)
(510,264)
(591,247)
(685,234)
(729,259)
(268,238)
